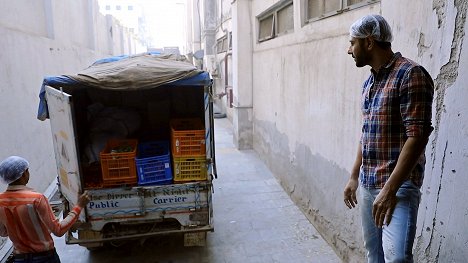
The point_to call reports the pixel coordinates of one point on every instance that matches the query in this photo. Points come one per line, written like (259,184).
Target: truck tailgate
(188,203)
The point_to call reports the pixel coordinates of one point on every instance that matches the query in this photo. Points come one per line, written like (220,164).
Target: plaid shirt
(396,104)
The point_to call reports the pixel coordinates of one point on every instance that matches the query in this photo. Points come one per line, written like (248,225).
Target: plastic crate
(118,168)
(189,169)
(119,183)
(188,137)
(92,176)
(154,163)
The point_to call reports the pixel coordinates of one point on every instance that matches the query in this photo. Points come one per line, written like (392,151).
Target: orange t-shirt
(27,219)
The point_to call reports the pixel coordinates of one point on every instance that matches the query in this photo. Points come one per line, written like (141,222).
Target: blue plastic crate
(153,163)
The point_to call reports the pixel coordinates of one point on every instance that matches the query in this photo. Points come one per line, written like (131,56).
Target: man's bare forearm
(357,164)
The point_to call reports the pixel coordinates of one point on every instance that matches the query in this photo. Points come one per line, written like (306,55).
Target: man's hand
(350,193)
(83,200)
(383,207)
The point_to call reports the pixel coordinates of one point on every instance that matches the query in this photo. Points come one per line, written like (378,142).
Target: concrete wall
(217,23)
(223,84)
(439,43)
(43,38)
(306,120)
(306,117)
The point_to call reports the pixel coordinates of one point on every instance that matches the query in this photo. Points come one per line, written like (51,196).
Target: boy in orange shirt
(26,216)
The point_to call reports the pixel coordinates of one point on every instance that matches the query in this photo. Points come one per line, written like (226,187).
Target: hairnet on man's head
(374,26)
(12,168)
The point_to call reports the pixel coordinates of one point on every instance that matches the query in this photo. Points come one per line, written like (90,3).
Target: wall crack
(434,219)
(448,72)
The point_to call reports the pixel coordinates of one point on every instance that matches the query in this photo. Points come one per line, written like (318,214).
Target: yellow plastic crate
(189,168)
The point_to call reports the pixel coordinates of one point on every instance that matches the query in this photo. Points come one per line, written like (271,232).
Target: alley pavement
(255,221)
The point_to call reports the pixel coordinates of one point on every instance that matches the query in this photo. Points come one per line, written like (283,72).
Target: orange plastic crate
(118,168)
(187,137)
(189,169)
(92,176)
(118,183)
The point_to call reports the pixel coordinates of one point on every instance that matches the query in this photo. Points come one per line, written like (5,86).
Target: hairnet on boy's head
(374,26)
(12,168)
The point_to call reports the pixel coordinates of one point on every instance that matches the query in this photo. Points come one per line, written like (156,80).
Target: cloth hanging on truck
(143,71)
(135,72)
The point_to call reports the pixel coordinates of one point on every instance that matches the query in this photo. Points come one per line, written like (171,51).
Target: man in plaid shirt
(389,167)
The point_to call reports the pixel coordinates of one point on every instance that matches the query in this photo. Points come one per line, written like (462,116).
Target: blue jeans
(51,257)
(392,243)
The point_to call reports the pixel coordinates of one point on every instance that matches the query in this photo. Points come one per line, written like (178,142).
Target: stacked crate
(118,163)
(154,163)
(188,150)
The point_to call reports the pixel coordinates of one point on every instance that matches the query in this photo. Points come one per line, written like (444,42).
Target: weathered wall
(220,63)
(43,38)
(306,119)
(443,216)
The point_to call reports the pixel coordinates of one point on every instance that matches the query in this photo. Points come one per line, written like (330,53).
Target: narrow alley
(255,222)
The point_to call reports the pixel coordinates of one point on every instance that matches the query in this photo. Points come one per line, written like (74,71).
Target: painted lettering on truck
(169,200)
(103,204)
(123,200)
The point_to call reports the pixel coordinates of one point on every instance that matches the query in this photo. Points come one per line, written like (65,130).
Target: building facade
(130,15)
(283,76)
(39,39)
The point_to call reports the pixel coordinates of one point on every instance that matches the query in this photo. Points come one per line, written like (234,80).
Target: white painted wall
(44,38)
(306,92)
(306,117)
(437,39)
(223,84)
(128,18)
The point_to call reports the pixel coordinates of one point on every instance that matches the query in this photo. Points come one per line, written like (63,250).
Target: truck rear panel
(137,211)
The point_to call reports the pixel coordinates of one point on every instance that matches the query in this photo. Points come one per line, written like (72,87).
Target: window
(118,7)
(130,7)
(107,7)
(317,9)
(222,44)
(276,21)
(352,2)
(267,28)
(285,19)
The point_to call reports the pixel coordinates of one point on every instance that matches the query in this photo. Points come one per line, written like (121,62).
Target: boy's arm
(47,216)
(3,230)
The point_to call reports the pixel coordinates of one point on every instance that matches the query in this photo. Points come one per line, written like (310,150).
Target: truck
(141,96)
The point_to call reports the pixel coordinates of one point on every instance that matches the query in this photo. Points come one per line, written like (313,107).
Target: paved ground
(254,220)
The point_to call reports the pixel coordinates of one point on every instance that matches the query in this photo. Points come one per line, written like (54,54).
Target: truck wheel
(197,239)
